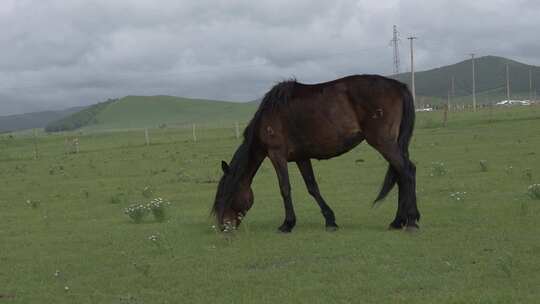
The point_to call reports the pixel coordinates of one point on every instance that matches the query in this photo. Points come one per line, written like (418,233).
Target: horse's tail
(405,133)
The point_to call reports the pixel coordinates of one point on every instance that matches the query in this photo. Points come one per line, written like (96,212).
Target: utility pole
(507,82)
(237,130)
(530,86)
(194,134)
(395,41)
(453,88)
(473,83)
(412,68)
(36,153)
(446,108)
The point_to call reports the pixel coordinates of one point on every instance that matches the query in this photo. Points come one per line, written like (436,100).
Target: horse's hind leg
(280,165)
(407,212)
(309,178)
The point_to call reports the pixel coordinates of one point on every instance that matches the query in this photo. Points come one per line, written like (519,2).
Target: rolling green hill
(156,111)
(153,112)
(433,85)
(79,119)
(32,120)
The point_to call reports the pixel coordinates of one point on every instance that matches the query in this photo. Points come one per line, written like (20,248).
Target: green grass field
(64,237)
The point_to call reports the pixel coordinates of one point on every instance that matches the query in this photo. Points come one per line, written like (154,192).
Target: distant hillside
(80,119)
(155,111)
(433,85)
(33,120)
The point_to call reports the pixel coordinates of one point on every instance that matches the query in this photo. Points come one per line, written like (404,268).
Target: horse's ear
(225,167)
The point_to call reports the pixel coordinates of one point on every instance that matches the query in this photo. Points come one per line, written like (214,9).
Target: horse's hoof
(332,228)
(285,229)
(393,226)
(412,229)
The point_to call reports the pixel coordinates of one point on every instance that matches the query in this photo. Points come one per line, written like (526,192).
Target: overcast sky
(56,54)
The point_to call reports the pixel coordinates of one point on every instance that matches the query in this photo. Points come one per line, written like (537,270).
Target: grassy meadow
(64,236)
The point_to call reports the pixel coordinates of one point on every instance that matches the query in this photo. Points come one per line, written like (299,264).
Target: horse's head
(233,199)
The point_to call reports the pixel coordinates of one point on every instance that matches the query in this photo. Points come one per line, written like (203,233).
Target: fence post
(445,115)
(194,135)
(237,130)
(35,145)
(146,136)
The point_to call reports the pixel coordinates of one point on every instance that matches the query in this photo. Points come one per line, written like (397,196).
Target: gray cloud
(61,53)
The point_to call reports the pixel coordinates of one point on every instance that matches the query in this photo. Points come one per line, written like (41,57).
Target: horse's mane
(278,96)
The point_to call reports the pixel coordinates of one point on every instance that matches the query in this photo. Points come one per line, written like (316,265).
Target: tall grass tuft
(148,192)
(34,204)
(505,264)
(117,198)
(534,191)
(137,212)
(158,206)
(483,165)
(527,173)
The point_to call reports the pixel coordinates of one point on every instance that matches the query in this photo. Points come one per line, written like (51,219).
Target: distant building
(424,109)
(514,103)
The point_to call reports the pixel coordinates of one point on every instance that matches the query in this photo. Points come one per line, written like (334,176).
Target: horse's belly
(329,130)
(325,148)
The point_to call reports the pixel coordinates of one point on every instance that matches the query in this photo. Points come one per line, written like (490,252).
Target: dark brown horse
(297,122)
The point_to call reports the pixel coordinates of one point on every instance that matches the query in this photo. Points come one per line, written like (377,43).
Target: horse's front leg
(280,164)
(306,169)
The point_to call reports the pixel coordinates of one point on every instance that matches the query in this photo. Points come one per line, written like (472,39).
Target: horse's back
(328,119)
